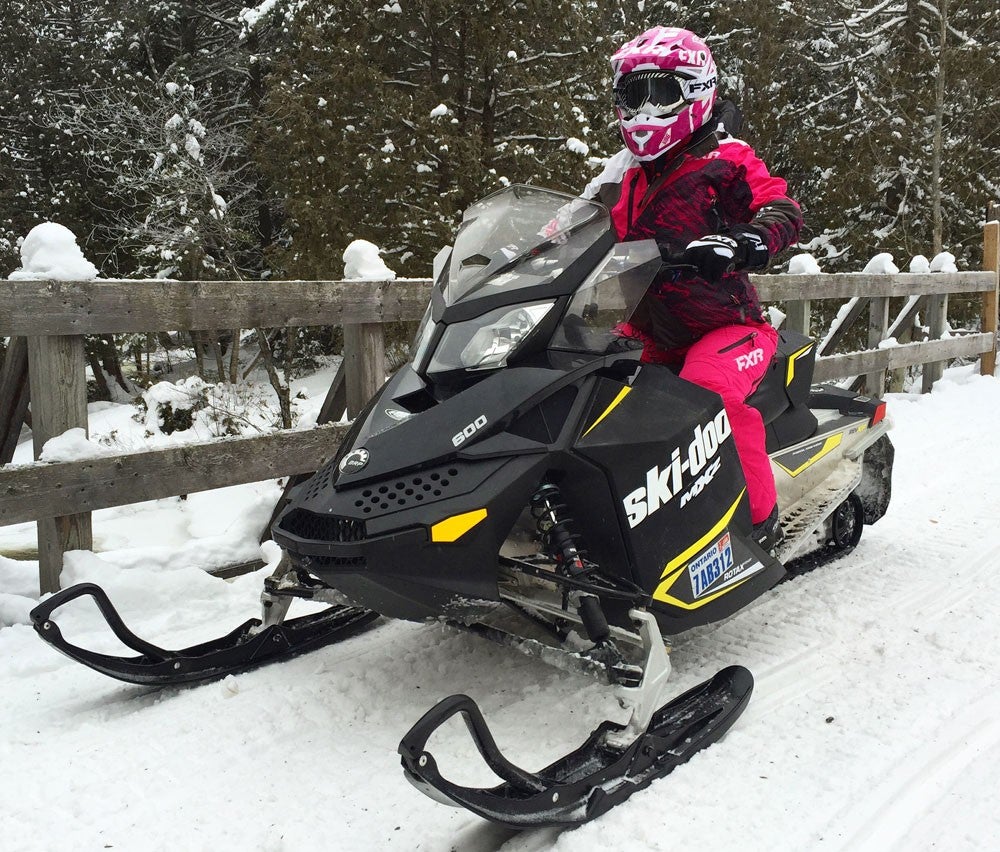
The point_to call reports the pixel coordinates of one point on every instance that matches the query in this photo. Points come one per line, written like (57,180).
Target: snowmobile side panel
(680,498)
(590,780)
(789,375)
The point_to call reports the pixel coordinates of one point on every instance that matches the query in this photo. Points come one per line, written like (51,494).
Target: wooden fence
(47,321)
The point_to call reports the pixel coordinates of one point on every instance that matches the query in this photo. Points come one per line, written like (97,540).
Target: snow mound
(50,251)
(944,262)
(920,264)
(881,264)
(72,445)
(803,264)
(362,262)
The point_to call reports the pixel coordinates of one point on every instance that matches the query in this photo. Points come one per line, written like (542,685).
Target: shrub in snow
(206,410)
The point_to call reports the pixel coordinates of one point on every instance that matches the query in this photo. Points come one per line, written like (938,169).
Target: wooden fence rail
(54,316)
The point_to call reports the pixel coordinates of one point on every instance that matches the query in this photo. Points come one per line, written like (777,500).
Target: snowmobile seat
(782,397)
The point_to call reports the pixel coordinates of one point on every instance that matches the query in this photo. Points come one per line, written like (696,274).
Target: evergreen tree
(387,126)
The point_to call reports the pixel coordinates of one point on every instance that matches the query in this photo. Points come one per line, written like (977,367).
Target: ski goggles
(655,93)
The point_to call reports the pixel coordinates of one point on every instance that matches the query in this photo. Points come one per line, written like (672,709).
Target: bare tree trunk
(280,388)
(234,358)
(220,365)
(196,339)
(938,143)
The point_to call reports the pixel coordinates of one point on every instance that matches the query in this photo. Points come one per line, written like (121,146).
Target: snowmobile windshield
(517,238)
(607,298)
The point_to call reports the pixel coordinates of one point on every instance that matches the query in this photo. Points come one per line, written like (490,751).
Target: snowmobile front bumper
(248,646)
(590,780)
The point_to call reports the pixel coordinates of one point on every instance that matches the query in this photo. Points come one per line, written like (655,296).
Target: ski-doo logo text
(469,430)
(663,484)
(751,359)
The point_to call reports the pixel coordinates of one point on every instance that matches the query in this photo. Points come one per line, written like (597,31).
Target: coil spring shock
(553,524)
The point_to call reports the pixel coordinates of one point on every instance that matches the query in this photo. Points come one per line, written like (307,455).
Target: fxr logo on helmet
(698,58)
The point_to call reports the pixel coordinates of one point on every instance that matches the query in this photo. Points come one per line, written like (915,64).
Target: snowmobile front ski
(592,779)
(251,644)
(614,762)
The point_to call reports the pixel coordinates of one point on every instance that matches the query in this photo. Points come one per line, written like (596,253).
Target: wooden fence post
(937,322)
(797,316)
(878,329)
(58,388)
(364,362)
(991,262)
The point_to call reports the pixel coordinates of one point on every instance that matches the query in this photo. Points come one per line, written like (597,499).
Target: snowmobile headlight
(487,341)
(491,344)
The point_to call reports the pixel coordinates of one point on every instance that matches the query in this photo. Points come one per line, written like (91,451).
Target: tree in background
(911,132)
(387,125)
(301,125)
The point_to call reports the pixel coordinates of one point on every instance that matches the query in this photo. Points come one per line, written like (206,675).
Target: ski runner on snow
(708,200)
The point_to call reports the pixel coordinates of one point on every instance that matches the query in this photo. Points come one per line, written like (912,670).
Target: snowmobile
(526,478)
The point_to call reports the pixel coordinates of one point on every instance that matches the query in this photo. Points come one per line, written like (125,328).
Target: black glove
(715,255)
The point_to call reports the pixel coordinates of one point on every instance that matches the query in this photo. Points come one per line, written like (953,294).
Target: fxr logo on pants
(751,359)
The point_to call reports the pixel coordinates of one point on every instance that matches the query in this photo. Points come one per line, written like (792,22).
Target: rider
(711,203)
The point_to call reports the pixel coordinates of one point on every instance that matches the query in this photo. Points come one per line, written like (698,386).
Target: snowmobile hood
(463,426)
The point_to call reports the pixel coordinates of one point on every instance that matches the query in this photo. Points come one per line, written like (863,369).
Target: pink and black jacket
(714,185)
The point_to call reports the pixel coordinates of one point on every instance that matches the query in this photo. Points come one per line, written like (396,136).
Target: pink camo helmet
(683,54)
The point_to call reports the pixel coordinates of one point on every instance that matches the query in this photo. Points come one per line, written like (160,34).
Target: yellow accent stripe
(829,445)
(453,528)
(624,393)
(676,566)
(791,363)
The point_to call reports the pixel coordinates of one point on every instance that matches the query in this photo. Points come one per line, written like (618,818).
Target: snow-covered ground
(875,723)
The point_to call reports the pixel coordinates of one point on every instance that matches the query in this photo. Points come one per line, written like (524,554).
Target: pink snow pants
(731,361)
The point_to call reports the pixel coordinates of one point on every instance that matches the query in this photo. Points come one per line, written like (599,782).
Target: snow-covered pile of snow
(72,445)
(803,264)
(943,262)
(881,264)
(363,263)
(50,251)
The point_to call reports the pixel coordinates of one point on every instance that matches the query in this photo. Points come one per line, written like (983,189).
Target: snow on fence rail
(52,317)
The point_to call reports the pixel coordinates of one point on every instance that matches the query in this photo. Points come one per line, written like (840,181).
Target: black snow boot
(768,533)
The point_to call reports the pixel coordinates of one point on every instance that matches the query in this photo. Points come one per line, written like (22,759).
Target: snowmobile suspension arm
(634,596)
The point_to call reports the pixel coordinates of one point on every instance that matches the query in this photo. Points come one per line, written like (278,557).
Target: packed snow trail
(873,725)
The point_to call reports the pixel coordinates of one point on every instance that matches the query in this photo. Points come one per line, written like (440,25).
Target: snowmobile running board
(248,646)
(589,781)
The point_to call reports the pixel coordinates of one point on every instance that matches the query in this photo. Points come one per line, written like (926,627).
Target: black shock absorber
(553,524)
